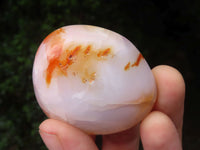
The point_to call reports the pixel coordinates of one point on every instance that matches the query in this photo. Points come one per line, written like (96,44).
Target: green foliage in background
(165,32)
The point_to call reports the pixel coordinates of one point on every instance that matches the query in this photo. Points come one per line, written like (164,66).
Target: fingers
(58,135)
(158,132)
(162,129)
(126,140)
(171,93)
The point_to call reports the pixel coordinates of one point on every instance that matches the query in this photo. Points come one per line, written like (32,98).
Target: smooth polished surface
(93,78)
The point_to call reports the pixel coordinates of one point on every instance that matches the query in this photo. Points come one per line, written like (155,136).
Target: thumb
(58,135)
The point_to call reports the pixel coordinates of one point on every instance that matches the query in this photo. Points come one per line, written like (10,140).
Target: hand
(160,130)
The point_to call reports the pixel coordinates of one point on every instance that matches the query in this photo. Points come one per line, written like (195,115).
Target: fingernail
(51,141)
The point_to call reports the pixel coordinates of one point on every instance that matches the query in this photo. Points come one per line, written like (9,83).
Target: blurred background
(166,32)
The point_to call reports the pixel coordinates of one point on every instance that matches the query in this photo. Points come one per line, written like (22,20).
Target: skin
(161,129)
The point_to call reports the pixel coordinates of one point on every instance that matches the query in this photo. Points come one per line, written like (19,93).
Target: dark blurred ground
(166,32)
